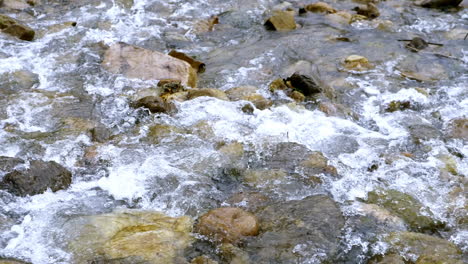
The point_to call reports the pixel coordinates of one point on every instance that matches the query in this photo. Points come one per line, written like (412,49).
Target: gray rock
(17,81)
(39,177)
(8,163)
(293,231)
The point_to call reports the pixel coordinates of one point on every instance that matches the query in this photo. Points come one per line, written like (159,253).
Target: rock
(15,4)
(17,81)
(320,7)
(438,3)
(417,44)
(197,65)
(228,224)
(387,259)
(281,21)
(458,128)
(248,109)
(259,101)
(304,84)
(340,17)
(100,134)
(456,33)
(39,177)
(136,62)
(423,131)
(13,27)
(357,63)
(127,4)
(12,261)
(203,260)
(407,208)
(159,133)
(297,96)
(56,28)
(277,84)
(315,160)
(155,104)
(370,11)
(422,70)
(234,150)
(233,254)
(203,26)
(424,249)
(294,231)
(248,200)
(144,235)
(7,164)
(263,177)
(398,106)
(210,92)
(238,93)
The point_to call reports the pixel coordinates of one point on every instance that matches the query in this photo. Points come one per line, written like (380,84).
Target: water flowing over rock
(36,179)
(293,230)
(148,236)
(136,62)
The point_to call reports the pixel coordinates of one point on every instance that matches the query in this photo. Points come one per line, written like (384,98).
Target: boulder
(197,65)
(36,179)
(320,7)
(210,92)
(281,21)
(143,235)
(424,249)
(136,62)
(154,104)
(228,224)
(407,208)
(13,27)
(295,231)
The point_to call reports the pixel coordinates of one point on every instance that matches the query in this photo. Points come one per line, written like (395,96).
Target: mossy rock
(424,249)
(407,208)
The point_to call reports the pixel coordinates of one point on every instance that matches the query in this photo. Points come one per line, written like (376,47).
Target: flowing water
(184,173)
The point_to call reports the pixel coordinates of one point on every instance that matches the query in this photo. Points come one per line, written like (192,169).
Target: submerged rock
(407,208)
(148,236)
(36,179)
(13,27)
(424,249)
(294,231)
(17,81)
(228,224)
(281,21)
(136,62)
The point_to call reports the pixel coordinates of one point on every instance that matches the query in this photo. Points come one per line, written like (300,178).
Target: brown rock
(228,224)
(136,62)
(459,129)
(320,7)
(203,26)
(13,27)
(259,101)
(194,93)
(197,65)
(297,96)
(357,63)
(370,11)
(304,84)
(278,84)
(281,21)
(155,104)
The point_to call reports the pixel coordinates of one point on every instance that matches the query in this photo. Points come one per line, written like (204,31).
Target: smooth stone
(136,62)
(228,224)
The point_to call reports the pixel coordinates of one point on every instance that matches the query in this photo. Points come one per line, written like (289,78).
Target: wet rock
(155,104)
(370,11)
(233,254)
(238,93)
(160,132)
(210,92)
(203,26)
(456,33)
(12,261)
(277,84)
(144,235)
(407,208)
(13,27)
(438,3)
(294,231)
(197,65)
(387,259)
(15,4)
(422,248)
(422,70)
(228,224)
(136,62)
(248,200)
(320,7)
(127,4)
(423,131)
(458,128)
(39,177)
(263,177)
(17,81)
(398,106)
(234,150)
(304,84)
(357,63)
(56,28)
(281,21)
(248,109)
(297,96)
(100,134)
(7,164)
(340,17)
(203,260)
(417,44)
